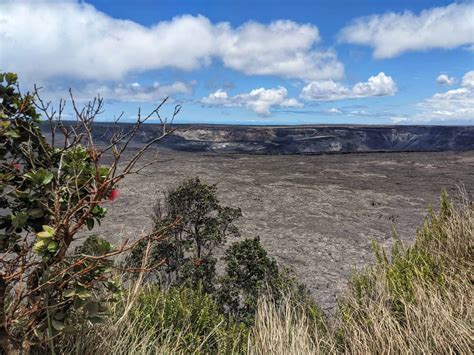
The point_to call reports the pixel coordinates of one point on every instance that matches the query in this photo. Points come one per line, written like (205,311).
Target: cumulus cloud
(259,100)
(136,92)
(391,34)
(220,97)
(443,79)
(334,111)
(328,90)
(282,48)
(456,104)
(468,80)
(47,39)
(127,92)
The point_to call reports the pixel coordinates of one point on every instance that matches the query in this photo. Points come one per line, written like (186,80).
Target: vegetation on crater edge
(62,294)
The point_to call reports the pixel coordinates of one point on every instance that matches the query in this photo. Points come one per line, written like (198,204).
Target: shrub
(50,191)
(249,274)
(186,314)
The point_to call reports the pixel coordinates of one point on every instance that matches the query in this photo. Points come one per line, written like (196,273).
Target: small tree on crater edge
(188,248)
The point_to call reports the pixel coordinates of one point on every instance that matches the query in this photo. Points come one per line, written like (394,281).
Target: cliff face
(304,139)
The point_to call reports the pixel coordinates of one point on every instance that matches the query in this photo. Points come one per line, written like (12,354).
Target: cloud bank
(125,92)
(328,90)
(392,34)
(50,39)
(456,104)
(259,100)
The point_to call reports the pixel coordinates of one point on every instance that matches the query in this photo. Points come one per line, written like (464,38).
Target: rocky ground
(316,214)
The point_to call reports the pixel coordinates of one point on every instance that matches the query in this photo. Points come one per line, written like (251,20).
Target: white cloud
(220,97)
(360,113)
(334,111)
(282,48)
(259,100)
(456,104)
(468,80)
(443,79)
(126,92)
(378,85)
(391,34)
(324,90)
(48,39)
(399,119)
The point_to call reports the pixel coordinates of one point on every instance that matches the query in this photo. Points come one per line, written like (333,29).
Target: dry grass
(421,300)
(286,329)
(435,321)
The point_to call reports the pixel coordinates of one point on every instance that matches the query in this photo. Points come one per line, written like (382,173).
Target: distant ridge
(304,139)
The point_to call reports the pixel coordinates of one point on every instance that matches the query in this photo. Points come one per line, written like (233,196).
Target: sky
(250,62)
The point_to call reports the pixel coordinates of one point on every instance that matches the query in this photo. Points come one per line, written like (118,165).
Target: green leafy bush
(249,274)
(50,190)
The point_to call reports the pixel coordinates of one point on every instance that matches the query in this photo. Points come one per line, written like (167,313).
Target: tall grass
(420,299)
(287,328)
(176,321)
(417,300)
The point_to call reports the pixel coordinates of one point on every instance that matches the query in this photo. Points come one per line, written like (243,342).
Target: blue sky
(251,62)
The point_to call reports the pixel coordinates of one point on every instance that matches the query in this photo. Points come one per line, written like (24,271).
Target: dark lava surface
(316,214)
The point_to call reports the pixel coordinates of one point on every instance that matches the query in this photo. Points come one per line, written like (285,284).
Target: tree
(249,274)
(188,247)
(50,190)
(187,253)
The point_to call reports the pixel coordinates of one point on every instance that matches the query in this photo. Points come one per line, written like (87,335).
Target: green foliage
(189,315)
(249,274)
(26,168)
(38,180)
(48,194)
(89,286)
(199,225)
(407,267)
